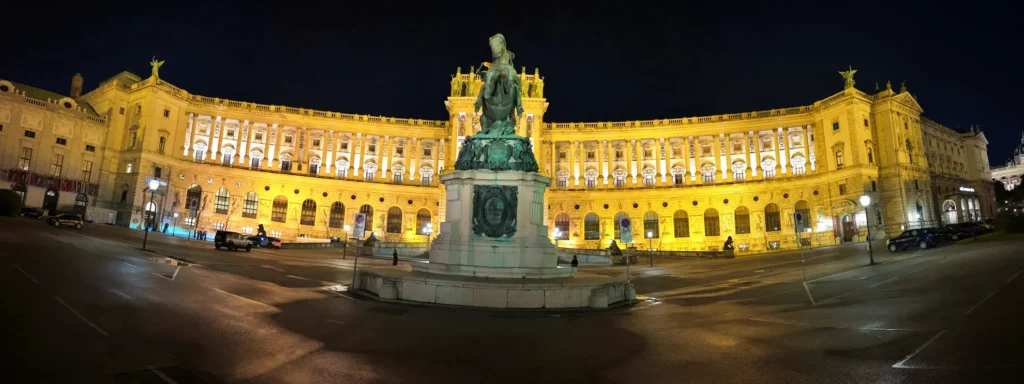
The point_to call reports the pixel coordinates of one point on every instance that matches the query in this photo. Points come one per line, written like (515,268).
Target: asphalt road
(89,306)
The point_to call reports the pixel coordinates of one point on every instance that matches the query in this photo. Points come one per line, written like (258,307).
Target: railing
(683,121)
(18,176)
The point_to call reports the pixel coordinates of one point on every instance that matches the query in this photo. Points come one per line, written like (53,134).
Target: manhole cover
(388,311)
(146,376)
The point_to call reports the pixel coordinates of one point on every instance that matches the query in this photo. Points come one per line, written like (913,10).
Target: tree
(10,203)
(231,209)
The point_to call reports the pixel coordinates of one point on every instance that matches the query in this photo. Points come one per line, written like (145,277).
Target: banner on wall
(360,226)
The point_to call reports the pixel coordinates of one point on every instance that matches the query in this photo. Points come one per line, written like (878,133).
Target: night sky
(601,62)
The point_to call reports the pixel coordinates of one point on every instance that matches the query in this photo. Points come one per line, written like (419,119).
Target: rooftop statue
(848,77)
(156,67)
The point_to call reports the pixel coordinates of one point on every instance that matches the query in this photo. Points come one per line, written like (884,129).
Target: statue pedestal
(494,228)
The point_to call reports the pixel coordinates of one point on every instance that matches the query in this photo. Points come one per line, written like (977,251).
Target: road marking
(808,289)
(244,298)
(119,293)
(833,298)
(840,273)
(783,322)
(1013,277)
(125,262)
(980,303)
(161,375)
(335,321)
(919,349)
(26,274)
(877,284)
(94,326)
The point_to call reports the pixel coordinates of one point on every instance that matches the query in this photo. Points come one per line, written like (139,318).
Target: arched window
(422,220)
(711,223)
(804,210)
(650,225)
(367,209)
(279,212)
(591,227)
(308,212)
(772,219)
(617,223)
(369,171)
(562,226)
(220,204)
(337,217)
(394,220)
(250,205)
(742,220)
(81,202)
(192,198)
(681,223)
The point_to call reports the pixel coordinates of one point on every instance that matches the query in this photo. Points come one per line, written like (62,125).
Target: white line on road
(335,321)
(244,298)
(26,274)
(834,298)
(877,284)
(919,349)
(94,326)
(1013,277)
(840,273)
(980,303)
(161,375)
(125,262)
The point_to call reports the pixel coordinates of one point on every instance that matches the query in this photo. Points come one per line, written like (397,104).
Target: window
(341,171)
(370,171)
(705,150)
(225,160)
(279,211)
(316,142)
(57,166)
(163,143)
(1,127)
(591,227)
(839,159)
(423,221)
(30,134)
(618,155)
(737,146)
(367,210)
(648,153)
(562,155)
(681,224)
(916,185)
(256,162)
(739,176)
(121,111)
(86,171)
(394,220)
(874,186)
(562,226)
(344,146)
(138,109)
(199,155)
(677,179)
(651,225)
(711,223)
(135,137)
(906,125)
(258,136)
(591,182)
(562,179)
(90,148)
(648,175)
(25,161)
(772,218)
(286,165)
(708,177)
(591,156)
(250,205)
(314,167)
(427,152)
(835,125)
(167,113)
(842,188)
(156,172)
(220,203)
(124,196)
(804,210)
(128,168)
(865,122)
(288,139)
(616,223)
(308,212)
(398,177)
(372,148)
(62,141)
(399,151)
(871,156)
(620,181)
(337,216)
(742,220)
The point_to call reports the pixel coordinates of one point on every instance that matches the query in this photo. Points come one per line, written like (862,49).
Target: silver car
(65,220)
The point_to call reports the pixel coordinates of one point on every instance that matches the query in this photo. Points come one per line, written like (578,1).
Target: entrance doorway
(50,201)
(848,229)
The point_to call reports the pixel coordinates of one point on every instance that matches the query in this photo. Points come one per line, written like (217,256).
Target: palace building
(688,183)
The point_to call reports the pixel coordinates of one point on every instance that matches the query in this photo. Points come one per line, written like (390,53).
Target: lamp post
(558,236)
(865,200)
(650,247)
(175,230)
(344,251)
(429,229)
(153,185)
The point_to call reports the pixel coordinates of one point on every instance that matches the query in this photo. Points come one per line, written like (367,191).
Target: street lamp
(650,247)
(344,250)
(865,200)
(153,185)
(558,236)
(429,229)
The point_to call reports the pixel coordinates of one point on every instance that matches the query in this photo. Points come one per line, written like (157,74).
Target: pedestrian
(728,243)
(394,257)
(575,262)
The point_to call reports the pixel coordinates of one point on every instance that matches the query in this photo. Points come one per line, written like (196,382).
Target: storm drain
(388,311)
(148,376)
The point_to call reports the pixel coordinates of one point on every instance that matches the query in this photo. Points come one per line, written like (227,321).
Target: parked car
(232,241)
(65,220)
(34,213)
(265,242)
(943,233)
(913,238)
(965,230)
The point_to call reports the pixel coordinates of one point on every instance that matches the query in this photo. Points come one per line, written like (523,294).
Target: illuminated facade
(688,182)
(1011,173)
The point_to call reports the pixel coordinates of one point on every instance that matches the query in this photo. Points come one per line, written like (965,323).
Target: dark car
(65,220)
(265,242)
(919,238)
(232,241)
(964,230)
(34,213)
(944,234)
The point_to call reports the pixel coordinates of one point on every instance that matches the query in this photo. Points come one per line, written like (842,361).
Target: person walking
(394,257)
(575,262)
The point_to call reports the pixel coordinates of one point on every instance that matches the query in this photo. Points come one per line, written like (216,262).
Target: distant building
(960,173)
(1012,171)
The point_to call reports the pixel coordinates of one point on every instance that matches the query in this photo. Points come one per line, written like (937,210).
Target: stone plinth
(494,227)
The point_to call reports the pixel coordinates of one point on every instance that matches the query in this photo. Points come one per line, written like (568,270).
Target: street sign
(799,222)
(162,183)
(626,230)
(360,226)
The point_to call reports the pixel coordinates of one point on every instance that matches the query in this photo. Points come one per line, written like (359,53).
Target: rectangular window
(122,111)
(314,169)
(226,160)
(842,188)
(871,156)
(620,181)
(220,203)
(562,155)
(86,171)
(286,165)
(705,150)
(737,146)
(255,163)
(916,185)
(157,172)
(287,139)
(839,159)
(57,166)
(1,127)
(138,109)
(167,113)
(618,154)
(199,156)
(799,171)
(768,173)
(677,179)
(708,177)
(316,142)
(563,182)
(835,125)
(591,156)
(90,148)
(591,182)
(62,141)
(163,143)
(258,136)
(739,176)
(874,186)
(865,122)
(766,143)
(372,148)
(427,152)
(250,205)
(649,180)
(425,179)
(128,168)
(341,172)
(30,134)
(229,133)
(648,153)
(344,146)
(369,176)
(400,151)
(397,178)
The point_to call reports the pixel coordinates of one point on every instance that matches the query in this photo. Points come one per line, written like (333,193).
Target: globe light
(865,200)
(154,184)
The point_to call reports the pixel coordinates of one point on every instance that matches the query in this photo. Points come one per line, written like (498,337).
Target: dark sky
(603,61)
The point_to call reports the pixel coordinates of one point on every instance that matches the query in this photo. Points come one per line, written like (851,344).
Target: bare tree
(231,209)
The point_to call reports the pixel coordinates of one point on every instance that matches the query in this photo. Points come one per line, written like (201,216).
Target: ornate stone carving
(494,210)
(508,153)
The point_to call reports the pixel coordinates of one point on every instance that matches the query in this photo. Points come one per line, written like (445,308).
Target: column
(659,155)
(188,133)
(581,159)
(214,149)
(271,145)
(330,153)
(303,137)
(574,167)
(778,161)
(554,160)
(810,146)
(606,148)
(693,160)
(753,153)
(412,153)
(717,148)
(440,162)
(783,150)
(243,156)
(632,160)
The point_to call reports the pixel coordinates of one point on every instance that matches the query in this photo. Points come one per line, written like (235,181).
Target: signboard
(162,183)
(360,226)
(799,222)
(967,189)
(625,230)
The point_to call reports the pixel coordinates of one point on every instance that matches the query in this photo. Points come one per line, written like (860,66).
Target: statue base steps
(581,290)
